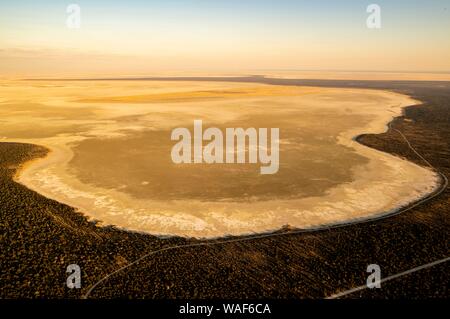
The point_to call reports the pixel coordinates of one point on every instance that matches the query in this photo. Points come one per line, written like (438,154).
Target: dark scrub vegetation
(39,237)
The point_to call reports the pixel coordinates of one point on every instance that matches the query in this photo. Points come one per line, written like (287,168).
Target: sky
(157,36)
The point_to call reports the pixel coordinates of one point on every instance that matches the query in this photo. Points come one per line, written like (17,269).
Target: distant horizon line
(232,78)
(217,73)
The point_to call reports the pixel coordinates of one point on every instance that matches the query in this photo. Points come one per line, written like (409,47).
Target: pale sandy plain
(110,154)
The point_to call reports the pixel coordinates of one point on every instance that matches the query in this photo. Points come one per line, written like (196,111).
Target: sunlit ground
(111,146)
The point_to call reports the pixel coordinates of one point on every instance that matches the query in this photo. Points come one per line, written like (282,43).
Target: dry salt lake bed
(110,154)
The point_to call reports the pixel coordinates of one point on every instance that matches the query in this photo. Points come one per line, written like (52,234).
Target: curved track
(437,192)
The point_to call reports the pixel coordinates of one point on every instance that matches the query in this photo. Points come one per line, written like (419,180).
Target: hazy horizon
(149,37)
